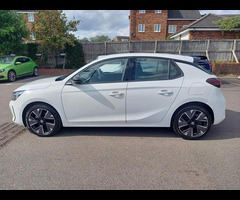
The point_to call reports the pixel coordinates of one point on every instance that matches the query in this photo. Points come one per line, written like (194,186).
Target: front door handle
(116,94)
(165,92)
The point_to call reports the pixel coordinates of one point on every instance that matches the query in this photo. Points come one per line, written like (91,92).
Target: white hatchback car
(124,90)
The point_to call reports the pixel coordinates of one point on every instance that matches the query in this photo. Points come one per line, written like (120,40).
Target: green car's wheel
(35,71)
(12,76)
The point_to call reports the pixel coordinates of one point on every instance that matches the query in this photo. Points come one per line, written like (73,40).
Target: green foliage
(53,30)
(32,49)
(12,31)
(99,38)
(229,24)
(75,55)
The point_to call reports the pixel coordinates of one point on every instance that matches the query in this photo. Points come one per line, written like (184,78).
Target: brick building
(204,28)
(29,16)
(159,24)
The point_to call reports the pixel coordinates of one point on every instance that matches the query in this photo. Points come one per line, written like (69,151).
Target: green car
(13,67)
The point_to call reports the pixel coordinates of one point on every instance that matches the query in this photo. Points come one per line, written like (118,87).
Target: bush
(226,68)
(75,55)
(32,49)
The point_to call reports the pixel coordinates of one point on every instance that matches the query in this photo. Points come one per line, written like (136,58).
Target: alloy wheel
(193,123)
(12,76)
(41,121)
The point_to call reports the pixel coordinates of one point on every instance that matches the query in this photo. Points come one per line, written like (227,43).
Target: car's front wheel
(43,120)
(192,122)
(12,76)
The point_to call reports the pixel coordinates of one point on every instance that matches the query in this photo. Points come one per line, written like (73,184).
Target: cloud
(100,22)
(112,22)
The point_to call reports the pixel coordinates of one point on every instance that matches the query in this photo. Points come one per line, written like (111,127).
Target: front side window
(104,72)
(141,28)
(153,69)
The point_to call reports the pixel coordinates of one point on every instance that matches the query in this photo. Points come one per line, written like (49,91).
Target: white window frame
(157,27)
(141,28)
(30,17)
(158,11)
(33,36)
(142,11)
(172,28)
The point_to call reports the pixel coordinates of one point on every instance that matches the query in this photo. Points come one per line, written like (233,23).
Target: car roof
(159,55)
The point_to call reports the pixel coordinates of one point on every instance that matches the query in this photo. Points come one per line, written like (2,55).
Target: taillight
(214,81)
(210,64)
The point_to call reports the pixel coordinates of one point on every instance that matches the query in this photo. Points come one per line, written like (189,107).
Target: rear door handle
(165,92)
(116,94)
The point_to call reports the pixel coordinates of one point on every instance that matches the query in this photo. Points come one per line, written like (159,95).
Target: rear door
(151,90)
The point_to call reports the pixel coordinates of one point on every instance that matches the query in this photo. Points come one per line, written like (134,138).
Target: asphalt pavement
(124,158)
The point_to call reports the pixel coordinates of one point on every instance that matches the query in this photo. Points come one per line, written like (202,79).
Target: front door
(154,86)
(99,97)
(20,66)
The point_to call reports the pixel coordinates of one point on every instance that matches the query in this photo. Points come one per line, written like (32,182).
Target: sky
(111,22)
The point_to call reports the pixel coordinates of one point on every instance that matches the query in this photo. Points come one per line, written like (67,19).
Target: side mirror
(73,82)
(76,82)
(18,63)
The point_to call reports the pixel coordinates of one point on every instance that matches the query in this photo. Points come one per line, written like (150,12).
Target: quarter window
(104,72)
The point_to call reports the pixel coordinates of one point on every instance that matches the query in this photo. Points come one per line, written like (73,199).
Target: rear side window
(153,69)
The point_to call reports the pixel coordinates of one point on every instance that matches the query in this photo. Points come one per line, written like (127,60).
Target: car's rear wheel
(35,71)
(192,122)
(43,120)
(12,76)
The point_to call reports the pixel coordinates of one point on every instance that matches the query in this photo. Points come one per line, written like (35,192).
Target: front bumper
(16,113)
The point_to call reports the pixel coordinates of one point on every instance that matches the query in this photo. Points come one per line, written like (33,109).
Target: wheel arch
(35,103)
(195,103)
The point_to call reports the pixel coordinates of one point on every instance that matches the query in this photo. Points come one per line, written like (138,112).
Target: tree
(75,55)
(53,30)
(229,24)
(13,30)
(99,38)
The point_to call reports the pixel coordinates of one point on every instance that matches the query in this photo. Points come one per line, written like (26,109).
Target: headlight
(2,70)
(17,94)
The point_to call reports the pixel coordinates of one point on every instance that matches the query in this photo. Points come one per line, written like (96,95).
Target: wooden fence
(215,50)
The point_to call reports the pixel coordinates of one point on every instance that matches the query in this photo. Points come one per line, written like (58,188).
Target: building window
(158,11)
(157,27)
(141,28)
(33,36)
(142,11)
(172,28)
(184,26)
(30,17)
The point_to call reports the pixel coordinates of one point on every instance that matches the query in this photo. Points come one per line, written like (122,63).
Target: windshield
(6,60)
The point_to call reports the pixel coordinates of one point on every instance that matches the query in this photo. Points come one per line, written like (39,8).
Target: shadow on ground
(228,129)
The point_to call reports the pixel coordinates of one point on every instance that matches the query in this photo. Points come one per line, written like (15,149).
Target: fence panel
(216,50)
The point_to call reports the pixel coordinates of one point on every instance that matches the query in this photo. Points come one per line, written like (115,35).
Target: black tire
(35,72)
(12,76)
(43,120)
(192,122)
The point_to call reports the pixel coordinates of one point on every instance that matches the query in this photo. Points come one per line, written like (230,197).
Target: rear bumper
(218,104)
